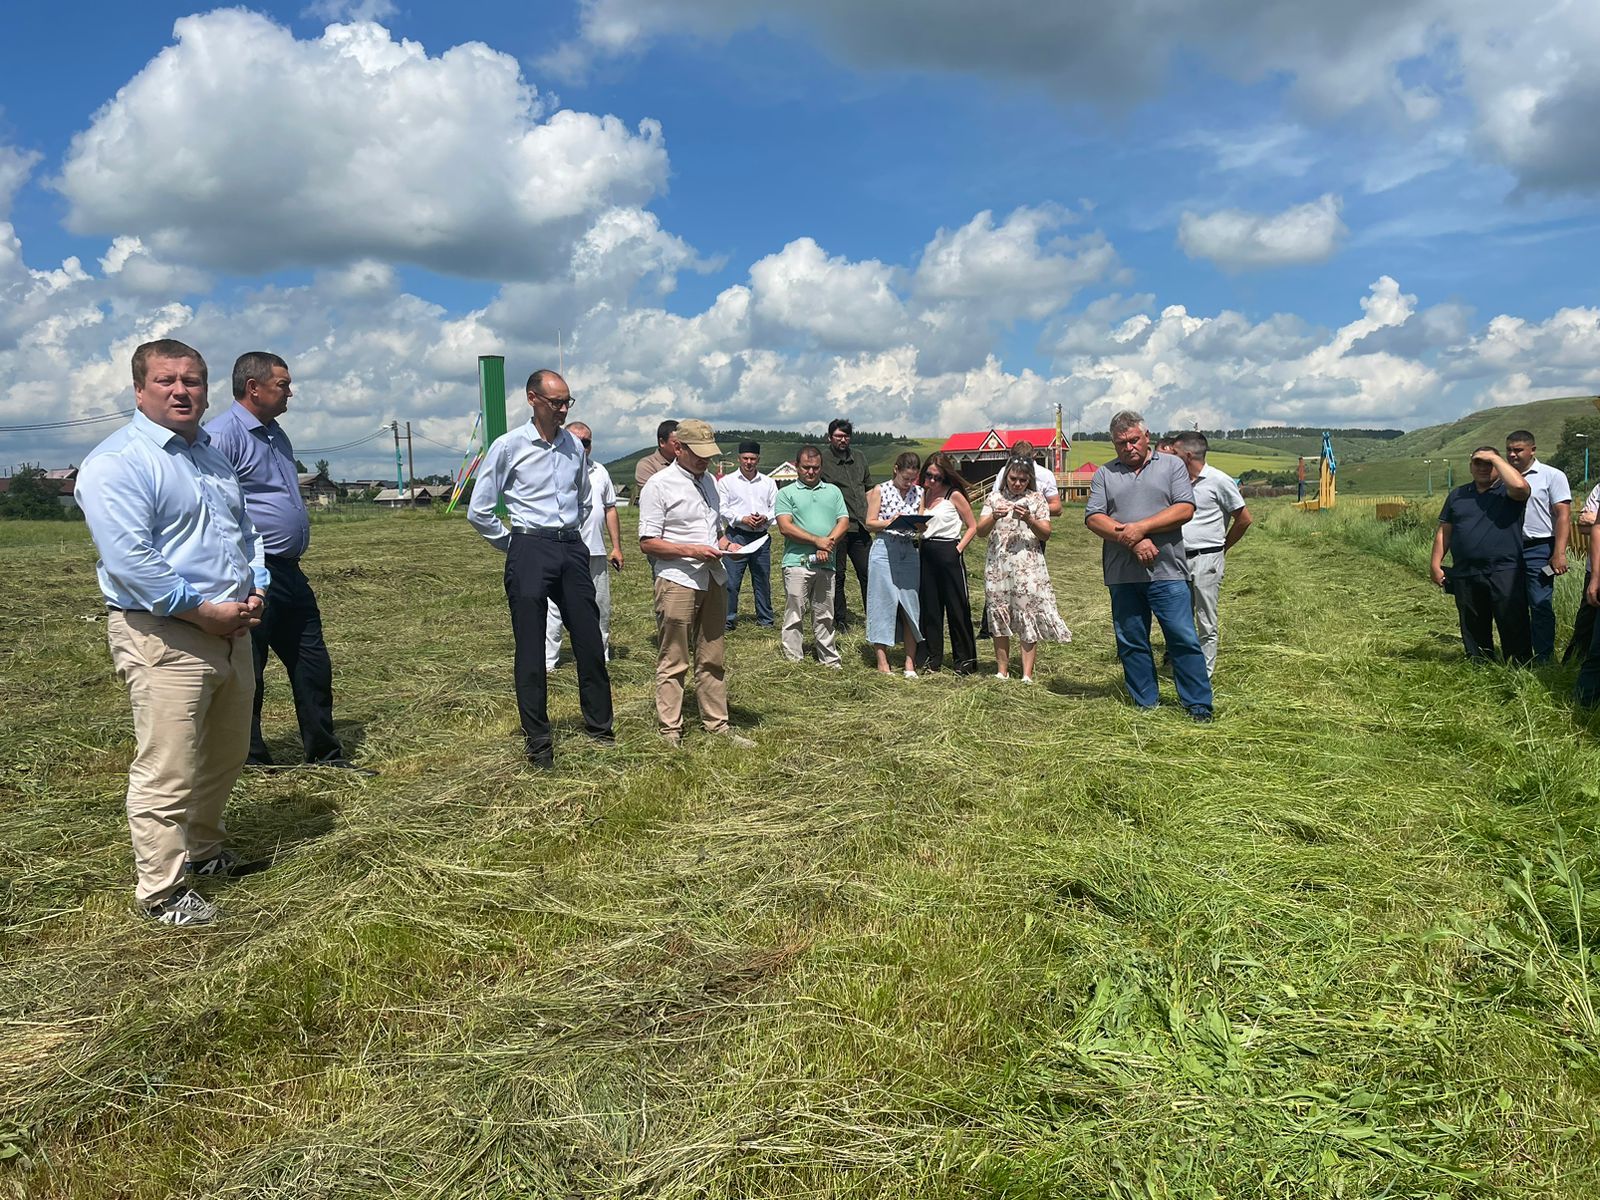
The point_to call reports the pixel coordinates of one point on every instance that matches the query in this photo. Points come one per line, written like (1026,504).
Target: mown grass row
(942,938)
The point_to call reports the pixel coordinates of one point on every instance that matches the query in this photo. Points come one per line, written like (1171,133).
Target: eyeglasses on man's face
(562,402)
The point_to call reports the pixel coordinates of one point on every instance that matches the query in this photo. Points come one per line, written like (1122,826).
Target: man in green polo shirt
(812,518)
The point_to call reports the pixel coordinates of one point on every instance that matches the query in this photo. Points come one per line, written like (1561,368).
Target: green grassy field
(933,938)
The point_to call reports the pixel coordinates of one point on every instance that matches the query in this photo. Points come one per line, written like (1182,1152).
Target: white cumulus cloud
(363,147)
(1240,241)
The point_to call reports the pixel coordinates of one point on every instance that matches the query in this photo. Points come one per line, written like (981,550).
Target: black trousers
(291,628)
(944,595)
(856,546)
(540,571)
(1485,603)
(1582,628)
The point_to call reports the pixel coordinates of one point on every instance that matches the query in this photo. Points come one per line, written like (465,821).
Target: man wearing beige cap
(680,531)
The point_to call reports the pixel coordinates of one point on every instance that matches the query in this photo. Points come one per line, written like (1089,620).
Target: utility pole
(394,428)
(411,466)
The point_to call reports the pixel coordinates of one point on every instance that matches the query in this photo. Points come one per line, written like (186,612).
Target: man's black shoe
(604,740)
(544,761)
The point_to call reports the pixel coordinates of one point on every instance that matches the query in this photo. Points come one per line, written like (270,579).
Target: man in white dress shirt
(602,517)
(1546,528)
(1043,477)
(680,531)
(541,472)
(749,500)
(1220,519)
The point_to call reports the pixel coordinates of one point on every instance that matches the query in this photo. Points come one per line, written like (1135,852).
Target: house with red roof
(980,455)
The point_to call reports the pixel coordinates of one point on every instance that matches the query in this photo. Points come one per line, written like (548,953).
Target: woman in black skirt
(944,596)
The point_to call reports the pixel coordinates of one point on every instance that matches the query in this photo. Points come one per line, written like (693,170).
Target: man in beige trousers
(184,578)
(681,532)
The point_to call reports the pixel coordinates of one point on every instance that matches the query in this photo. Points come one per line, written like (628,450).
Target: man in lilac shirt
(249,436)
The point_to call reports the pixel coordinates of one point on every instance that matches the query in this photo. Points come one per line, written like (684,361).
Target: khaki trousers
(691,624)
(192,694)
(808,587)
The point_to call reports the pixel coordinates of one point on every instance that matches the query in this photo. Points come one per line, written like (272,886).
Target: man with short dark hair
(748,496)
(1220,520)
(1137,507)
(541,471)
(1481,526)
(665,455)
(251,438)
(1545,532)
(848,472)
(184,579)
(812,517)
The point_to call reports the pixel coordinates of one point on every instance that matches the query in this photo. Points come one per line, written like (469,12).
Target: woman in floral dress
(1016,583)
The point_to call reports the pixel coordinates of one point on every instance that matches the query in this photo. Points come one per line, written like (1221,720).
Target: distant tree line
(31,497)
(794,436)
(1261,433)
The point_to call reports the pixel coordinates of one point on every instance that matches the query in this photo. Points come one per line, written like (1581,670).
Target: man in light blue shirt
(184,578)
(541,472)
(249,436)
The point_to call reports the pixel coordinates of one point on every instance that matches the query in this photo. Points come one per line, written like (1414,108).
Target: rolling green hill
(1490,426)
(1367,465)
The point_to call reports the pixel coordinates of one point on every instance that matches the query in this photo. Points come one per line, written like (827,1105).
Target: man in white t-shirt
(1043,478)
(602,516)
(1220,520)
(1545,530)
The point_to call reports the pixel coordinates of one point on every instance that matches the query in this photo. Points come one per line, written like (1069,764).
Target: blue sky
(927,216)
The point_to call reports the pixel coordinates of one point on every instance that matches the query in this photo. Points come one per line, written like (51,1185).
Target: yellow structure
(1327,487)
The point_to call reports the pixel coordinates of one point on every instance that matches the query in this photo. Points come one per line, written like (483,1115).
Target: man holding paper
(680,531)
(748,497)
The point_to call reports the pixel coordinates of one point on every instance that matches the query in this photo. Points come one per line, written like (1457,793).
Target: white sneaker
(910,674)
(998,675)
(1027,679)
(741,742)
(187,907)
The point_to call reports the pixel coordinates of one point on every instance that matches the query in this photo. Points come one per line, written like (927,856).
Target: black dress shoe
(604,740)
(545,760)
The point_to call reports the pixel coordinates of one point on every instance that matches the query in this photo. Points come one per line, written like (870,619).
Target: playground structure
(490,422)
(1327,483)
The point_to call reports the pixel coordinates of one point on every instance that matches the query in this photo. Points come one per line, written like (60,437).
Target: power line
(371,437)
(441,445)
(114,416)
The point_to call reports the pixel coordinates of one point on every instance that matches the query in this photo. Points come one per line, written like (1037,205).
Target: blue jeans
(1132,606)
(1541,591)
(760,577)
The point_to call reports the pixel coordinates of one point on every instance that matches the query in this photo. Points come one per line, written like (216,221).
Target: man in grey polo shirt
(1220,519)
(1545,532)
(1137,506)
